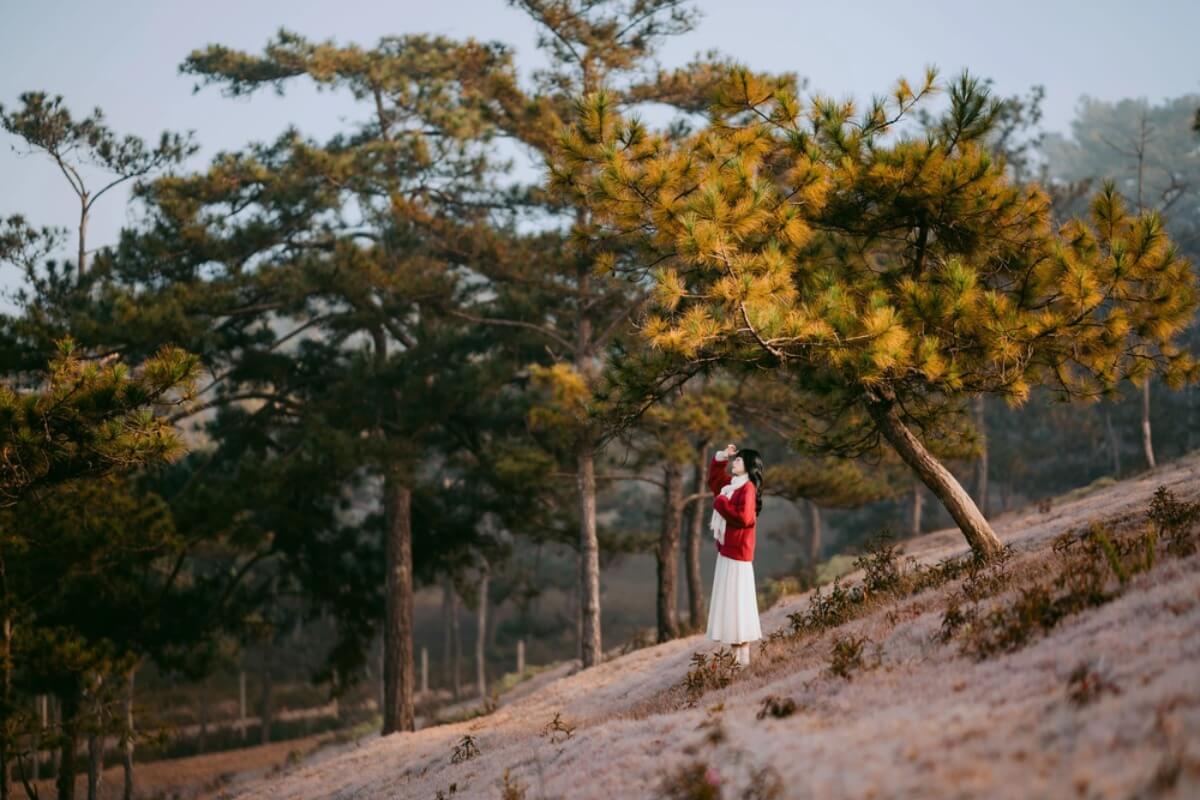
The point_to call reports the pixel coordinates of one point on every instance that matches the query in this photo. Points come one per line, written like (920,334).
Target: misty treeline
(485,338)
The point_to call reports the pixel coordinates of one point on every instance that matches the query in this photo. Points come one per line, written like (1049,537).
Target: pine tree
(559,283)
(322,248)
(1149,152)
(888,277)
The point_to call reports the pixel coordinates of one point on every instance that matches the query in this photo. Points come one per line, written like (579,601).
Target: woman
(733,612)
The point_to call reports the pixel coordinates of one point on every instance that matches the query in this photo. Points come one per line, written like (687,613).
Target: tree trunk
(95,742)
(456,648)
(56,721)
(941,482)
(83,222)
(127,736)
(481,633)
(589,559)
(202,693)
(694,539)
(447,652)
(667,553)
(264,696)
(814,533)
(981,464)
(242,703)
(65,781)
(5,701)
(1114,445)
(917,502)
(398,714)
(1147,439)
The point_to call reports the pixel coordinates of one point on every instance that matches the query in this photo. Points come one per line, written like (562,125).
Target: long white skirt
(733,609)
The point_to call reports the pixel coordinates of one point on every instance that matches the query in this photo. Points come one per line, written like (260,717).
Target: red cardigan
(739,512)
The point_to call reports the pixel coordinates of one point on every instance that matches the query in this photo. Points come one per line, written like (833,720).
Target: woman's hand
(731,450)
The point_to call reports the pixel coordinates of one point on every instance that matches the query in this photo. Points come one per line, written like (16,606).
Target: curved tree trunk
(667,553)
(695,537)
(979,534)
(589,559)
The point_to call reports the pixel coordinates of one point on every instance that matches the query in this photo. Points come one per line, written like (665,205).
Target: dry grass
(1067,668)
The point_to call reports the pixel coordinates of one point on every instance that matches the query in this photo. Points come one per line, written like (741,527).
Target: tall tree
(560,284)
(1149,151)
(84,420)
(75,146)
(340,242)
(888,277)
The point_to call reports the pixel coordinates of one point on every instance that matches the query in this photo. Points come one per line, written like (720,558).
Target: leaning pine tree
(888,277)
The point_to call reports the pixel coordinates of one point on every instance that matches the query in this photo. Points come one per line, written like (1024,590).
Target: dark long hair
(754,470)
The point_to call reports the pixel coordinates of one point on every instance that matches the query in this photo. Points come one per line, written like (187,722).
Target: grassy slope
(926,720)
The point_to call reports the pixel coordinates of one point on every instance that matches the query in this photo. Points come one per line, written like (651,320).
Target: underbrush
(1088,568)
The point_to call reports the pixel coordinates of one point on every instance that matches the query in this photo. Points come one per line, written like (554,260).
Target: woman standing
(733,612)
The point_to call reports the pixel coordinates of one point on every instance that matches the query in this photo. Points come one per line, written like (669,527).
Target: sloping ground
(925,721)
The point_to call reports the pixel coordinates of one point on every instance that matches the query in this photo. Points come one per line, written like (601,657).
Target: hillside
(1069,670)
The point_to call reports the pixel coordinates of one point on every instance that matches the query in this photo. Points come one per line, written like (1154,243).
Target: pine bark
(814,533)
(667,553)
(398,668)
(1147,437)
(127,736)
(69,708)
(481,633)
(694,539)
(95,741)
(589,559)
(264,695)
(918,502)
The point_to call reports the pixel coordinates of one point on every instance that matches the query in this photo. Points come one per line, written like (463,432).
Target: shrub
(778,707)
(1087,682)
(694,781)
(1174,521)
(710,672)
(846,655)
(556,728)
(881,572)
(466,749)
(512,789)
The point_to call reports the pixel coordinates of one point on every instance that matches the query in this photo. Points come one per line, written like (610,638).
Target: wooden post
(424,670)
(520,657)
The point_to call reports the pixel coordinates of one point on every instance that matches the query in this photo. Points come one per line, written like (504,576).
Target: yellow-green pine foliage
(869,259)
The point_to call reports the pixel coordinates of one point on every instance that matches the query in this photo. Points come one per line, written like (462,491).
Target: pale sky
(123,56)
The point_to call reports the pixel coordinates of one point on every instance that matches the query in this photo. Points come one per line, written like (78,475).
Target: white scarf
(718,522)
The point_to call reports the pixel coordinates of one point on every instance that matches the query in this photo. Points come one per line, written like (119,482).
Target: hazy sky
(123,56)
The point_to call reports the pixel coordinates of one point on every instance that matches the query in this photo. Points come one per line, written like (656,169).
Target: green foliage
(710,672)
(846,655)
(88,419)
